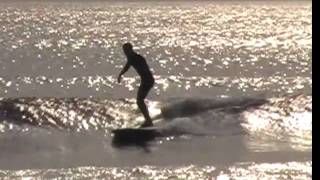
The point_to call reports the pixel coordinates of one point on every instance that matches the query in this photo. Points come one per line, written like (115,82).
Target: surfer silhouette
(147,81)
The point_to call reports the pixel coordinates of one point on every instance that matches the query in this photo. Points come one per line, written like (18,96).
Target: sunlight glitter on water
(229,36)
(295,127)
(100,85)
(281,171)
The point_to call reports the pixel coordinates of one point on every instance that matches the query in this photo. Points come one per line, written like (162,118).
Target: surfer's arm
(124,70)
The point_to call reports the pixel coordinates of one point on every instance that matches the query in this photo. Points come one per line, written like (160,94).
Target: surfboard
(134,136)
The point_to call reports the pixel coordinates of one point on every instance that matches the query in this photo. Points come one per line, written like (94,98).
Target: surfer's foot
(146,124)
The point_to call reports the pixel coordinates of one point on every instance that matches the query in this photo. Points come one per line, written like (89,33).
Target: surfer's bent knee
(140,101)
(146,85)
(149,83)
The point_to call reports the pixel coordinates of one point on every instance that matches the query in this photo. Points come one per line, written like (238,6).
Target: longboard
(134,136)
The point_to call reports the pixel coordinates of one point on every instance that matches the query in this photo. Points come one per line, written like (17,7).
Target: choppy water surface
(233,88)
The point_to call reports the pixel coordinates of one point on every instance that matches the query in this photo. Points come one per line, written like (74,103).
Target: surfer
(140,65)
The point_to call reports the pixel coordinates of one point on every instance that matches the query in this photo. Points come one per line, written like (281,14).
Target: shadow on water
(140,138)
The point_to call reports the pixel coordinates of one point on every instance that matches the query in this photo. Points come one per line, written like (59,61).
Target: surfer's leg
(142,94)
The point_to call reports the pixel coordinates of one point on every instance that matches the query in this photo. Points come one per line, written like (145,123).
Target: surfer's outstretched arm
(124,70)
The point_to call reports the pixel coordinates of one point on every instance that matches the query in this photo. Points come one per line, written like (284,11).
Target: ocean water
(232,97)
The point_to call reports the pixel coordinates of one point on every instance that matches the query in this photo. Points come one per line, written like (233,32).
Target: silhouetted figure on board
(140,65)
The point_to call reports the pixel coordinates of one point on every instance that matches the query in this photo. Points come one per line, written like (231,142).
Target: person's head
(127,48)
